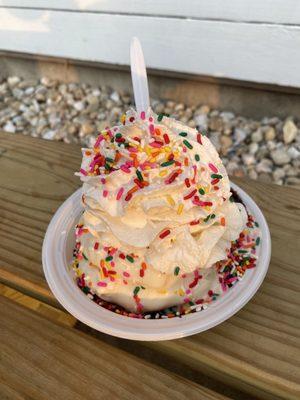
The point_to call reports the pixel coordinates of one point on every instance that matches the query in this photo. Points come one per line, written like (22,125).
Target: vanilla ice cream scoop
(157,215)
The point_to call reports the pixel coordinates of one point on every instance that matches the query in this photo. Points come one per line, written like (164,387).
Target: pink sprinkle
(150,119)
(184,149)
(98,141)
(105,193)
(143,115)
(103,181)
(126,274)
(112,264)
(213,168)
(155,144)
(83,172)
(102,284)
(125,169)
(151,128)
(186,300)
(120,192)
(188,291)
(132,149)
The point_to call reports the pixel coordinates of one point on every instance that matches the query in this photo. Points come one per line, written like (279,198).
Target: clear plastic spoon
(139,76)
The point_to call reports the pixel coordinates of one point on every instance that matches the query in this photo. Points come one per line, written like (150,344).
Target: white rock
(270,134)
(9,127)
(78,105)
(279,173)
(214,137)
(253,147)
(115,97)
(227,116)
(201,120)
(290,131)
(49,135)
(248,159)
(257,136)
(13,80)
(239,135)
(280,156)
(264,166)
(293,153)
(252,174)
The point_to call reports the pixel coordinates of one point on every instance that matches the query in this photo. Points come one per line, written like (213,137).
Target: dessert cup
(57,259)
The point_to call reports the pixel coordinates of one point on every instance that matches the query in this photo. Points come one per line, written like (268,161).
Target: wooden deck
(253,354)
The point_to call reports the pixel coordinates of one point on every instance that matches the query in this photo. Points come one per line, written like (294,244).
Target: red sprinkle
(199,139)
(187,182)
(190,195)
(128,196)
(166,138)
(215,181)
(164,234)
(195,222)
(121,255)
(96,246)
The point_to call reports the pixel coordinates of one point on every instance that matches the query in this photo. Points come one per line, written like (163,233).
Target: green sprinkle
(201,191)
(107,167)
(213,216)
(84,256)
(143,287)
(160,116)
(130,259)
(242,251)
(197,157)
(139,175)
(231,199)
(216,176)
(176,271)
(188,144)
(167,163)
(184,134)
(256,224)
(257,241)
(109,258)
(207,218)
(118,136)
(85,290)
(107,159)
(136,290)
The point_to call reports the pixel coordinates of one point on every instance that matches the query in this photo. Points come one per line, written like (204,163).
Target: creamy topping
(157,213)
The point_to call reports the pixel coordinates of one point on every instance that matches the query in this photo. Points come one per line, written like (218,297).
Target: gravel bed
(266,150)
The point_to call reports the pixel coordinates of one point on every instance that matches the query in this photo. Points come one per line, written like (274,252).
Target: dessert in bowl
(161,234)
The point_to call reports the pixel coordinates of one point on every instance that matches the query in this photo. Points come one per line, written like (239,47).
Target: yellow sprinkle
(140,149)
(176,153)
(147,167)
(123,118)
(153,159)
(147,150)
(162,291)
(180,209)
(170,200)
(207,208)
(181,292)
(163,173)
(167,149)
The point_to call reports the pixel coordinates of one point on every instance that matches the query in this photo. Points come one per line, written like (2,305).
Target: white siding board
(269,11)
(252,52)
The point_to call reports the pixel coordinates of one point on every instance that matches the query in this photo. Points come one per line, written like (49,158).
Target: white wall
(257,41)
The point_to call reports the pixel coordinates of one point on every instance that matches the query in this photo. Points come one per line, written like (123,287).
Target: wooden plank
(250,52)
(255,350)
(270,11)
(43,360)
(49,312)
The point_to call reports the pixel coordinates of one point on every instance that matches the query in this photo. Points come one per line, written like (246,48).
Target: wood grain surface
(256,351)
(43,360)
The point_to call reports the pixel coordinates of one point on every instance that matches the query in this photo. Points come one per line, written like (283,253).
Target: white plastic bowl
(57,257)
